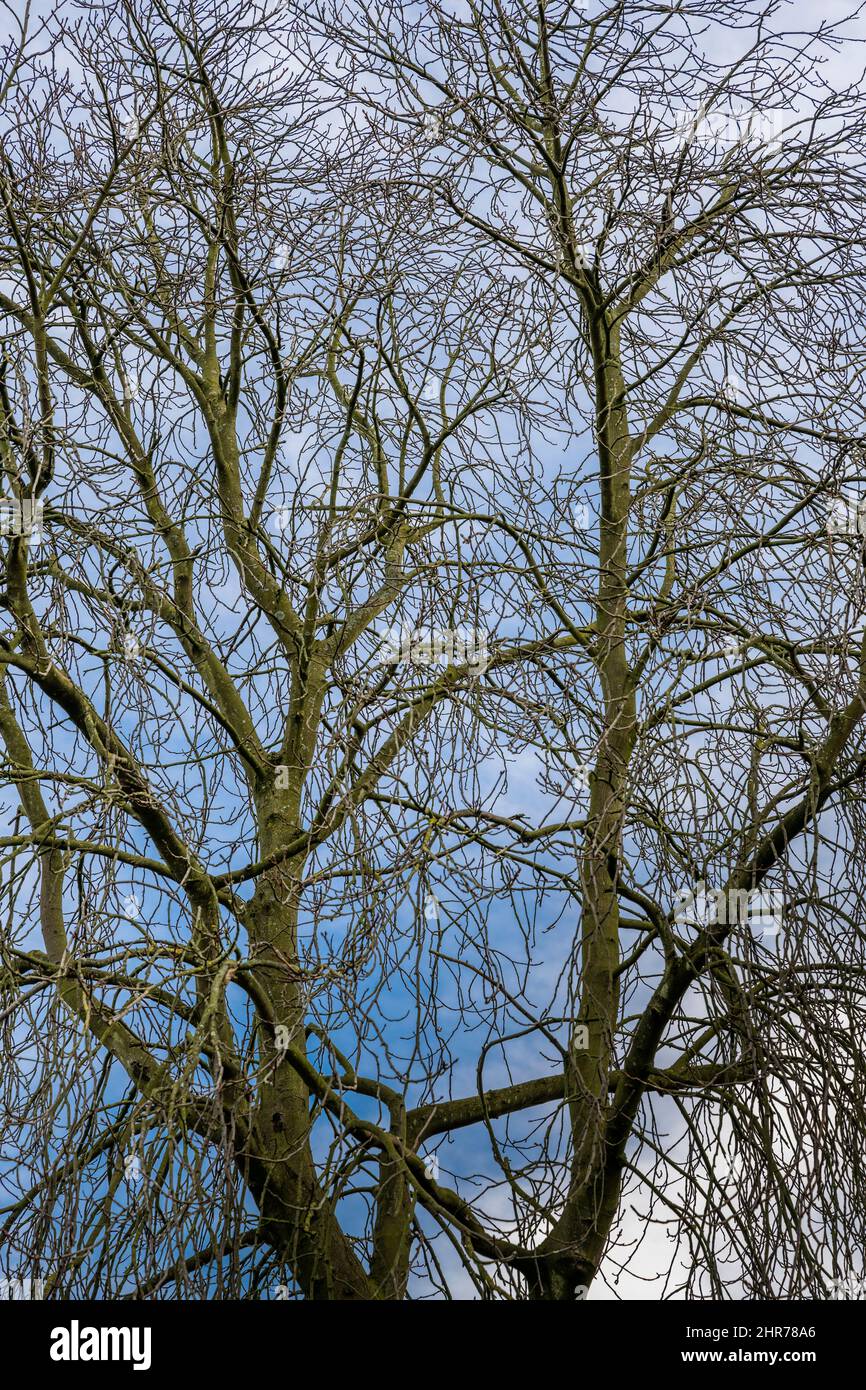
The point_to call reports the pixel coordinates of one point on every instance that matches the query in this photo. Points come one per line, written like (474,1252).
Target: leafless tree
(434,661)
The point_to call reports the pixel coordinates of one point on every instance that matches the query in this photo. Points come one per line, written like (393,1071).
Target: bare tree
(434,666)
